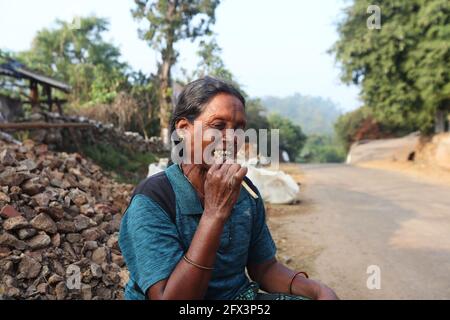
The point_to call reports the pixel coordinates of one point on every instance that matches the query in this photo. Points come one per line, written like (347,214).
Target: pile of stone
(59,222)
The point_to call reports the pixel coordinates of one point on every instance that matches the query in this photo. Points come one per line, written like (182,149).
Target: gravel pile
(59,222)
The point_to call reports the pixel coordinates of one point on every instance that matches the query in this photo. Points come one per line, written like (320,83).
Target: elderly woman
(193,230)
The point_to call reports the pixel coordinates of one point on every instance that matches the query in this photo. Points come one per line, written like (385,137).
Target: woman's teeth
(220,154)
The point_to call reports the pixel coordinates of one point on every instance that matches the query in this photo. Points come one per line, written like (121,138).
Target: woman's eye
(219,126)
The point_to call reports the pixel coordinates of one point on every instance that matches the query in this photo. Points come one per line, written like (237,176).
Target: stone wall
(396,149)
(64,139)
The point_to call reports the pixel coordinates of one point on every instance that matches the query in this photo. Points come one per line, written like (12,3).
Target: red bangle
(292,280)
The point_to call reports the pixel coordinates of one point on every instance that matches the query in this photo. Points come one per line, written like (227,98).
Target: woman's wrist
(303,286)
(215,217)
(312,289)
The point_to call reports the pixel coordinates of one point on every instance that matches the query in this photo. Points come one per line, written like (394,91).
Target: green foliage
(348,124)
(291,135)
(144,91)
(211,63)
(168,21)
(314,114)
(130,167)
(99,79)
(256,115)
(5,55)
(322,149)
(403,68)
(80,57)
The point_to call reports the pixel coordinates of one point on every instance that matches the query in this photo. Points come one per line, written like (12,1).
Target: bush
(322,149)
(128,167)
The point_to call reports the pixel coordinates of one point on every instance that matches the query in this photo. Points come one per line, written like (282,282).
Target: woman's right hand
(222,187)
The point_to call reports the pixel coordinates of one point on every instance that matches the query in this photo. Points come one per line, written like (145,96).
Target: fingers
(240,174)
(229,174)
(224,168)
(232,170)
(235,175)
(215,167)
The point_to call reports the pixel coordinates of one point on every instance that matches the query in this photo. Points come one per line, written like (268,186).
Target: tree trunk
(165,100)
(165,81)
(439,123)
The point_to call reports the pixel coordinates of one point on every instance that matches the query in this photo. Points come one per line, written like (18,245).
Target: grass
(126,166)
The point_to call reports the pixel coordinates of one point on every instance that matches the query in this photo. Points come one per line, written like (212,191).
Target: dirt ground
(348,218)
(421,171)
(299,256)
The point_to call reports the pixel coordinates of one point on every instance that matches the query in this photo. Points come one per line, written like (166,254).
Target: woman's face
(223,112)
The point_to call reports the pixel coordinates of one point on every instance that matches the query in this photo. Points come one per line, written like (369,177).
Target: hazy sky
(273,47)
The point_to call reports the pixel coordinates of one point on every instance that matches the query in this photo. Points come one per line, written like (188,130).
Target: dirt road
(351,218)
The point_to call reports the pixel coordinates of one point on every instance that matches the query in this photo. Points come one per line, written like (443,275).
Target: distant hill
(315,115)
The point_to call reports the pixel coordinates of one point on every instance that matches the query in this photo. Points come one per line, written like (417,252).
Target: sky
(272,47)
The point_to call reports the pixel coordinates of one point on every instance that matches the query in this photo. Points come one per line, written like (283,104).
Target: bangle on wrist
(293,278)
(195,264)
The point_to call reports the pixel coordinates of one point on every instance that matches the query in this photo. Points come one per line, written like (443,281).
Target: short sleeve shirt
(152,244)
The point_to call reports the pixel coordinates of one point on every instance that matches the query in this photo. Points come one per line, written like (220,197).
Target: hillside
(315,115)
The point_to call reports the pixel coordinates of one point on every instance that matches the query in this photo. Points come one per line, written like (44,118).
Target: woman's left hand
(325,293)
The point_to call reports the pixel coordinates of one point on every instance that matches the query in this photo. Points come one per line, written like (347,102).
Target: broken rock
(26,233)
(9,212)
(7,157)
(33,186)
(28,268)
(39,241)
(7,239)
(78,197)
(45,223)
(99,255)
(10,177)
(17,222)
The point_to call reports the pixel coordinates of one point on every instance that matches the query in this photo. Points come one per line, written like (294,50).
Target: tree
(211,63)
(80,57)
(403,68)
(8,85)
(292,138)
(322,149)
(169,21)
(348,124)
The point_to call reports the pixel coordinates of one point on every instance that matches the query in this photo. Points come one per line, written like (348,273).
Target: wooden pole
(42,125)
(34,95)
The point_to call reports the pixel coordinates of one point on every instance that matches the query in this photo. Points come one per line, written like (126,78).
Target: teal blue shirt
(152,244)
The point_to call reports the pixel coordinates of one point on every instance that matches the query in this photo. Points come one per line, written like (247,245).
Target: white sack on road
(276,187)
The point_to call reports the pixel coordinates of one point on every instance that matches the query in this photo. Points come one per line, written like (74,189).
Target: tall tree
(403,67)
(166,23)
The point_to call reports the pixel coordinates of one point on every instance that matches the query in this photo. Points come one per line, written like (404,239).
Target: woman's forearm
(277,279)
(188,281)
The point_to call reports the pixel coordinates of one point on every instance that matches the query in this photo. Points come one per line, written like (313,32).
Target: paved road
(362,217)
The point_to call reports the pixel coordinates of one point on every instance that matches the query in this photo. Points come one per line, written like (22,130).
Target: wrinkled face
(222,113)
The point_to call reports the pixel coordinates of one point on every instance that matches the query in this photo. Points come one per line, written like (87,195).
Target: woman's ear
(181,127)
(182,123)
